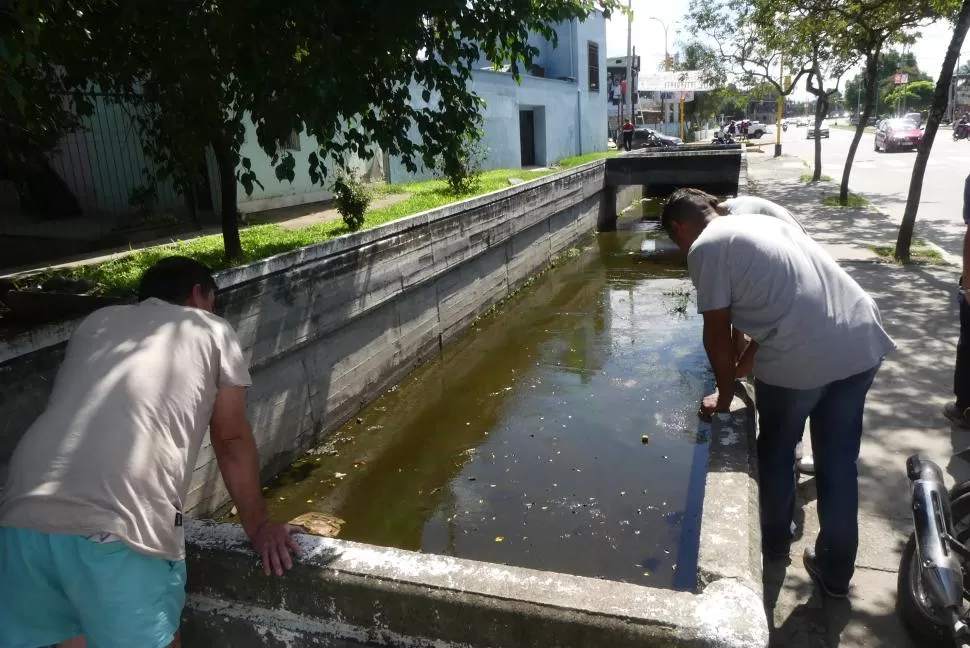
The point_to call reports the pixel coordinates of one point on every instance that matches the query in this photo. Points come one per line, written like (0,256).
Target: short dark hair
(685,204)
(173,278)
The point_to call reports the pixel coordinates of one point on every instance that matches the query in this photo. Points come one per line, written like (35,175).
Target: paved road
(884,178)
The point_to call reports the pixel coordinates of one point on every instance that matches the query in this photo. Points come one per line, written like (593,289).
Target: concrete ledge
(348,594)
(730,545)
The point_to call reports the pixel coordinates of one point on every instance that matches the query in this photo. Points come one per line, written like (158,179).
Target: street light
(666,49)
(663,107)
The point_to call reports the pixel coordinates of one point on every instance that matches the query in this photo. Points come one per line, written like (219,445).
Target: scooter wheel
(922,621)
(959,490)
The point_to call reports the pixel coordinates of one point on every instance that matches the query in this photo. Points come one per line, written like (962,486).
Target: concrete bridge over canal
(720,170)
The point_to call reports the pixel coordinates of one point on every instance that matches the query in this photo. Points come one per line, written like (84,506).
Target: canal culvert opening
(523,442)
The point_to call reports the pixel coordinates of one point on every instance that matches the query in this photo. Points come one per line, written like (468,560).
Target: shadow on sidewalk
(903,417)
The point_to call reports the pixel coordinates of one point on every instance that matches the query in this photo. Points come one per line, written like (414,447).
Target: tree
(830,55)
(871,25)
(940,99)
(752,41)
(342,72)
(39,102)
(912,94)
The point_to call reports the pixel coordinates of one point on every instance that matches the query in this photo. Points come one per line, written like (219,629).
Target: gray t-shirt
(814,324)
(755,205)
(115,448)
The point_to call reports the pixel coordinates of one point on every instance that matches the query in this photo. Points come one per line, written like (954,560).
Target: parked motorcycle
(932,587)
(961,131)
(723,138)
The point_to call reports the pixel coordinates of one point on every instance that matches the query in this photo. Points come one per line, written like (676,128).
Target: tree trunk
(872,72)
(820,110)
(940,99)
(226,160)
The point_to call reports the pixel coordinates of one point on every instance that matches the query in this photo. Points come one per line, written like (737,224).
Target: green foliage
(916,95)
(855,200)
(120,276)
(463,171)
(889,63)
(807,177)
(579,160)
(920,253)
(352,199)
(200,75)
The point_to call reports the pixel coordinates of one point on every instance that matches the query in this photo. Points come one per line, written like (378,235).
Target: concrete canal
(559,433)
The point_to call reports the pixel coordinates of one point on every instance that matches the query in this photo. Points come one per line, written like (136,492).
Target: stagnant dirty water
(524,444)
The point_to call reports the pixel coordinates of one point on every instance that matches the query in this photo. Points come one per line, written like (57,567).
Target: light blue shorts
(55,587)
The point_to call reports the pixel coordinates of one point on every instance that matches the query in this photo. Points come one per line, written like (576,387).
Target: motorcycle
(961,131)
(932,586)
(723,138)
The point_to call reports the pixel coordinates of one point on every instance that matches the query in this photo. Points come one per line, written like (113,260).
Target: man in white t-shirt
(743,348)
(91,530)
(819,341)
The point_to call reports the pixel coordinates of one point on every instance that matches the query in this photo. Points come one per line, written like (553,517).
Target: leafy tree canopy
(339,71)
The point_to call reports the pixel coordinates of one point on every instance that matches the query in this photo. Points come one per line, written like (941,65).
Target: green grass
(919,253)
(578,160)
(807,177)
(855,200)
(120,276)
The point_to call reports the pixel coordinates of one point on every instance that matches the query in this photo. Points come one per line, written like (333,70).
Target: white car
(758,129)
(801,121)
(823,131)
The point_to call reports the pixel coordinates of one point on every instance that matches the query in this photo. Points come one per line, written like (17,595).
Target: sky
(648,37)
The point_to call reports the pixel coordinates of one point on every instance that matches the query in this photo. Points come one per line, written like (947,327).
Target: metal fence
(105,166)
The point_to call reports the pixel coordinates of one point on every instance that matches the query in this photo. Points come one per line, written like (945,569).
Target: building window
(291,142)
(593,51)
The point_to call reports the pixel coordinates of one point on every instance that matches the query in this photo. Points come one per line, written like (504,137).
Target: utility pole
(781,104)
(629,61)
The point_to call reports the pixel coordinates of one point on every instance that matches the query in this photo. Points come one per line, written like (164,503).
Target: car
(801,121)
(756,130)
(649,138)
(893,134)
(916,118)
(823,130)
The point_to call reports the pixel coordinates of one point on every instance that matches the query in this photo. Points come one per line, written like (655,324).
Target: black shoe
(811,566)
(959,417)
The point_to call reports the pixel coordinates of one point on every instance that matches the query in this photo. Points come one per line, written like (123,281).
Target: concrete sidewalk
(903,416)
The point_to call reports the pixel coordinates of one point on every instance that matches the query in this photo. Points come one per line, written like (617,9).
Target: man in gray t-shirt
(819,342)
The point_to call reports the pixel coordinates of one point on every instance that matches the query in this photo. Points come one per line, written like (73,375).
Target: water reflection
(522,444)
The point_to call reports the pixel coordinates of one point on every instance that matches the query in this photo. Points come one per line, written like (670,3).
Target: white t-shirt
(814,324)
(115,448)
(755,205)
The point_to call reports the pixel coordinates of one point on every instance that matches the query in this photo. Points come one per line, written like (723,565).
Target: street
(884,178)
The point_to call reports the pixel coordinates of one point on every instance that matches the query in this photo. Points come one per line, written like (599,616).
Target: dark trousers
(627,141)
(961,373)
(834,412)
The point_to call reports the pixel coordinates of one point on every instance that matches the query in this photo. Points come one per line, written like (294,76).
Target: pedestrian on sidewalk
(959,410)
(627,129)
(91,530)
(819,342)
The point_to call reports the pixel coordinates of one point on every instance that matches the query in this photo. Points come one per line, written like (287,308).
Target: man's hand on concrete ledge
(235,450)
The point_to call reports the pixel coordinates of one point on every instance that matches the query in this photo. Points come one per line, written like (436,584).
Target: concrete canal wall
(328,327)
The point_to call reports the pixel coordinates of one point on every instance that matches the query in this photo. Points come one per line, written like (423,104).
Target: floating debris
(645,439)
(339,475)
(318,523)
(499,538)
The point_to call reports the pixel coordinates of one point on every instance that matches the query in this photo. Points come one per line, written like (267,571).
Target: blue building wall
(569,118)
